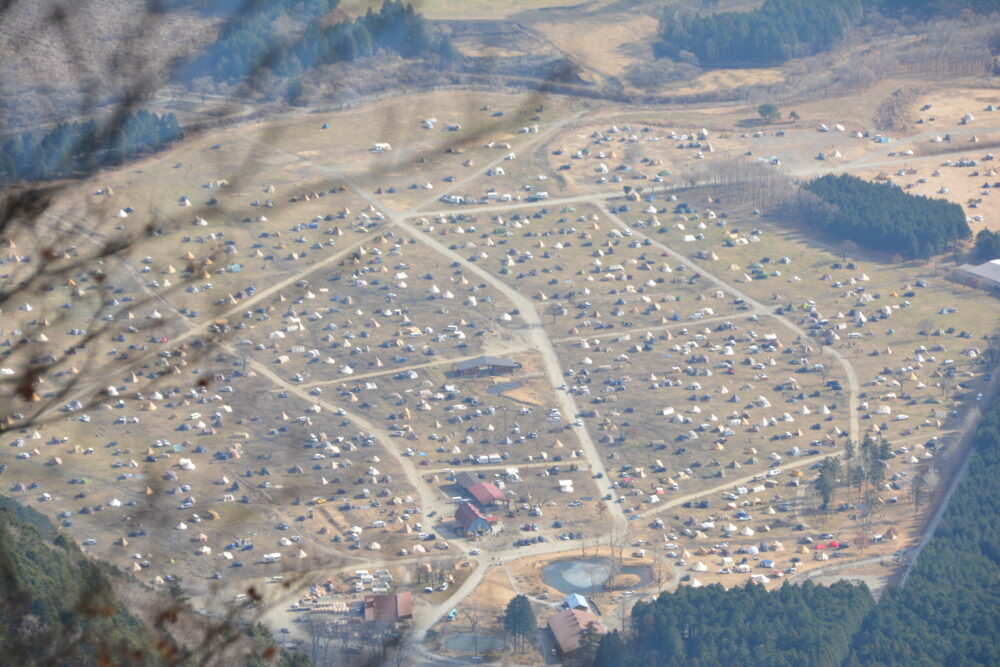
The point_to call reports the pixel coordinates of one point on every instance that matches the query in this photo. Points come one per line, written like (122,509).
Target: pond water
(467,642)
(587,575)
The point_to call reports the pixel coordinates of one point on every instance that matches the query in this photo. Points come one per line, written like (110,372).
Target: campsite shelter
(466,480)
(486,365)
(983,276)
(471,521)
(486,493)
(567,625)
(389,606)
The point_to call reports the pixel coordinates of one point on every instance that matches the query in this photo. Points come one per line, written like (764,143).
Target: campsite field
(681,355)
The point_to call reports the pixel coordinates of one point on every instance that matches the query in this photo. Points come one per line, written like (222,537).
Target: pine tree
(519,619)
(826,482)
(589,639)
(611,651)
(293,93)
(363,39)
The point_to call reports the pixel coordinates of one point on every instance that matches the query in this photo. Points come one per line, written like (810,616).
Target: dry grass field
(623,37)
(668,356)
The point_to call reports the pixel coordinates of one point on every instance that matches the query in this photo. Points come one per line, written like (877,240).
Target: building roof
(389,606)
(986,271)
(467,514)
(485,360)
(486,493)
(567,625)
(466,480)
(574,600)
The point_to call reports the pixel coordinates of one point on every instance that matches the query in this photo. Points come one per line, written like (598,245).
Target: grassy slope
(56,606)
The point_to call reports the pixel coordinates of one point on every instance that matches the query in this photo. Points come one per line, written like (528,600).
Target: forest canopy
(56,605)
(987,246)
(947,613)
(933,8)
(249,45)
(783,29)
(795,626)
(78,148)
(770,35)
(59,606)
(883,217)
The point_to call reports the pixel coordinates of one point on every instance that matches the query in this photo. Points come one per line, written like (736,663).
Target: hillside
(91,53)
(56,605)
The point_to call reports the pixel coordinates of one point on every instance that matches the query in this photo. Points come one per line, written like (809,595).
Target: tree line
(783,29)
(929,9)
(249,42)
(743,179)
(861,473)
(227,8)
(795,626)
(883,217)
(987,247)
(947,613)
(767,36)
(249,46)
(79,148)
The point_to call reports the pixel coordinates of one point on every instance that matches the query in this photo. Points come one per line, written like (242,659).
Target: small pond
(467,642)
(588,575)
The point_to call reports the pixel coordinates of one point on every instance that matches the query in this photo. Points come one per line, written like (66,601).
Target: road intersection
(535,337)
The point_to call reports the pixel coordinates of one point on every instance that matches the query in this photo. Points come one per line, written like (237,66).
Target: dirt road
(852,378)
(430,499)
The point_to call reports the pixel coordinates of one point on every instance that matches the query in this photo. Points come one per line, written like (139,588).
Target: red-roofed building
(567,627)
(471,521)
(486,493)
